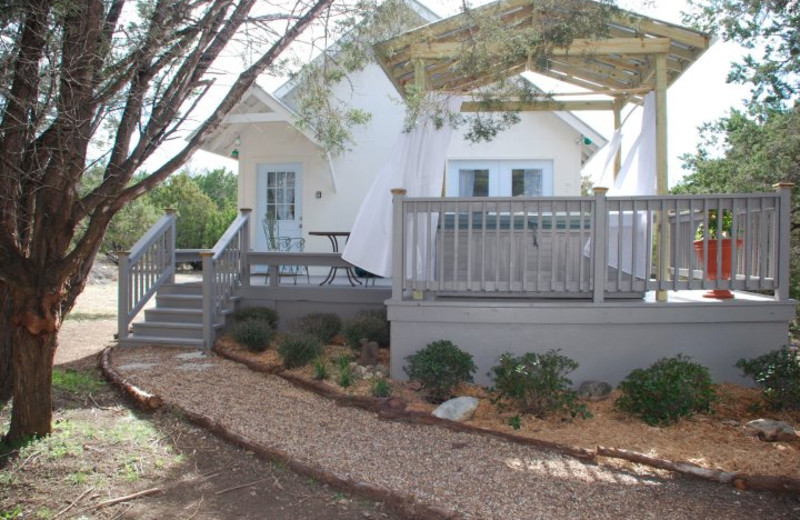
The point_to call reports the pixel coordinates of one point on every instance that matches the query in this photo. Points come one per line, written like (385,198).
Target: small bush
(323,325)
(257,313)
(439,367)
(537,384)
(298,349)
(320,369)
(669,389)
(369,325)
(255,335)
(345,378)
(778,375)
(381,387)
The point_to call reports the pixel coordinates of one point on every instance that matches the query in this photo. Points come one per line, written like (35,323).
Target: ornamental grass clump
(298,349)
(439,367)
(536,384)
(321,324)
(778,375)
(257,313)
(369,325)
(669,389)
(255,335)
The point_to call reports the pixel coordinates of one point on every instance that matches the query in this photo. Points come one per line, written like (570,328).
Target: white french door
(499,178)
(280,197)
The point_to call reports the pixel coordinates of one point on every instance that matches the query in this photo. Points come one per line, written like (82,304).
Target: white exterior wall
(538,136)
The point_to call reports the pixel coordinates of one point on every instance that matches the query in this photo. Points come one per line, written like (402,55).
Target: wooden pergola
(638,56)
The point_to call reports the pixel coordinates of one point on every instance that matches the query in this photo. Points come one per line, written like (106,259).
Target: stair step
(134,340)
(169,329)
(179,301)
(173,315)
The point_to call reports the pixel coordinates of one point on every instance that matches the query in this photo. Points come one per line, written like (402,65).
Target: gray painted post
(123,296)
(208,298)
(599,244)
(784,239)
(245,274)
(397,242)
(174,214)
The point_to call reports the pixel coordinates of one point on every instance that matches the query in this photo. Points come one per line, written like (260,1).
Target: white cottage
(284,170)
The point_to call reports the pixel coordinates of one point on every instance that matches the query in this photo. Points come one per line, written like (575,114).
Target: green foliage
(76,382)
(298,349)
(537,384)
(321,369)
(380,387)
(195,209)
(255,335)
(669,389)
(439,367)
(778,374)
(515,422)
(369,325)
(257,313)
(11,514)
(345,378)
(323,325)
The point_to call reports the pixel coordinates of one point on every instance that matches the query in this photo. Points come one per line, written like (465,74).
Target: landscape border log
(145,400)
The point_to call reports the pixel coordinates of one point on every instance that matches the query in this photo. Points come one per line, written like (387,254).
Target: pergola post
(662,177)
(619,102)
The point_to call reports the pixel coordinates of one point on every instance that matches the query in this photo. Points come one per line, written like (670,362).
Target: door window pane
(526,182)
(473,183)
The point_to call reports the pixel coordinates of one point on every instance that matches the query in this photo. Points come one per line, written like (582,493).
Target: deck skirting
(608,340)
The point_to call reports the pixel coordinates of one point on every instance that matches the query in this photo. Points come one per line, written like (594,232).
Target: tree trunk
(6,372)
(34,327)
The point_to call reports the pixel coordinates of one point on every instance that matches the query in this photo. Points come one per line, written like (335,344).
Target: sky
(700,95)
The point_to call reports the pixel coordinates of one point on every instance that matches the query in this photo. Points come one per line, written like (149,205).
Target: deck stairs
(176,319)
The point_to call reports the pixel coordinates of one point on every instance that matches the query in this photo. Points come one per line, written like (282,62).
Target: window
(504,178)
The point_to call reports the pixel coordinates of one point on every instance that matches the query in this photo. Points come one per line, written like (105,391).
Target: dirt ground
(102,449)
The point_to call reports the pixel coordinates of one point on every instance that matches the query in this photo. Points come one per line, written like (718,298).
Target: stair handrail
(225,268)
(148,265)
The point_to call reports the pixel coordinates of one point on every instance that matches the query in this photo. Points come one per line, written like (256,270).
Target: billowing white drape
(637,176)
(416,163)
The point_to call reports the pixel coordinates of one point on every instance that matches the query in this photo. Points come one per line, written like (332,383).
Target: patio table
(333,236)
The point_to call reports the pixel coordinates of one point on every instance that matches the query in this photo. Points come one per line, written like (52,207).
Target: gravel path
(476,476)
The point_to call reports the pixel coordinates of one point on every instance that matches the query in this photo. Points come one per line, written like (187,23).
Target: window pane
(473,183)
(526,182)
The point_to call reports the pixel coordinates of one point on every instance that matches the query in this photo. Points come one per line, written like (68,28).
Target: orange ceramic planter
(711,267)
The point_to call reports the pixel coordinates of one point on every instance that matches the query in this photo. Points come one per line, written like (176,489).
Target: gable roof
(623,63)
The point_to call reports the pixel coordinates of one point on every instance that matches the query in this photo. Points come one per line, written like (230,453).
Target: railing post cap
(122,253)
(206,253)
(600,190)
(783,186)
(246,210)
(170,211)
(399,191)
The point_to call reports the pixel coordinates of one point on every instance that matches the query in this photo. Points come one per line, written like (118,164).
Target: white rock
(772,430)
(458,409)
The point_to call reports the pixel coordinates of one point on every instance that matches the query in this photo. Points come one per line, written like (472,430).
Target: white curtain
(416,163)
(637,176)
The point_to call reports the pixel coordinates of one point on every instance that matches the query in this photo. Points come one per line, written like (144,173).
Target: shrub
(381,387)
(257,313)
(669,389)
(537,384)
(778,374)
(369,325)
(255,335)
(345,378)
(320,368)
(323,325)
(298,349)
(439,367)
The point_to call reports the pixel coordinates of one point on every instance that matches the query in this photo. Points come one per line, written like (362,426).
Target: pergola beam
(535,106)
(578,47)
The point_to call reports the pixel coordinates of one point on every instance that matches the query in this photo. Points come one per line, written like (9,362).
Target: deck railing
(561,246)
(225,268)
(142,270)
